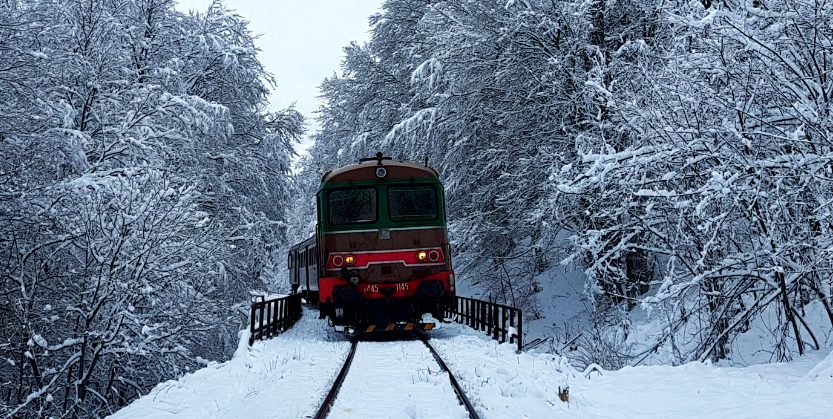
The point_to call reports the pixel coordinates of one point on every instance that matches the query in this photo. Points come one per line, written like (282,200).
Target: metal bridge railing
(497,320)
(273,316)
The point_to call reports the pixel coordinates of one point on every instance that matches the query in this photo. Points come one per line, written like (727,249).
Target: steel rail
(324,410)
(461,395)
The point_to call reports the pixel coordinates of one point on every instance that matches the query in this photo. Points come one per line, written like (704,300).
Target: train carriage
(380,258)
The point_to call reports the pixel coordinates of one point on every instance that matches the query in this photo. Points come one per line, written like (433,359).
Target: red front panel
(372,291)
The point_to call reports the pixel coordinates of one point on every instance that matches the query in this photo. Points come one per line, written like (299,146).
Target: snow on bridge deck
(283,377)
(396,379)
(288,376)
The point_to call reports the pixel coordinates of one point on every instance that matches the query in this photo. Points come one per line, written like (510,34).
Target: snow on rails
(418,376)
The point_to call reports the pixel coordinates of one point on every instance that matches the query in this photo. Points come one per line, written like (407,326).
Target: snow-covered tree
(144,187)
(684,146)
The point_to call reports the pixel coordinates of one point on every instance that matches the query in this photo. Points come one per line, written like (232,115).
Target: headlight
(422,256)
(350,260)
(338,260)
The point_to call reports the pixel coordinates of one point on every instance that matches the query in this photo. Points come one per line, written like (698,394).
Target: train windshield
(350,206)
(408,203)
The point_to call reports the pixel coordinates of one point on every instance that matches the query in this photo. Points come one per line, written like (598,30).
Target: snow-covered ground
(397,379)
(504,384)
(287,377)
(284,377)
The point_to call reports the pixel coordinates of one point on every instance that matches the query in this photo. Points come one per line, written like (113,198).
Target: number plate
(374,288)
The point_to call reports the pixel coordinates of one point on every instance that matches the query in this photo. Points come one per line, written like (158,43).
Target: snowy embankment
(287,377)
(283,377)
(504,384)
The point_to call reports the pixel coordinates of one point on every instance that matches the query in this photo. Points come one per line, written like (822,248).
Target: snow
(288,376)
(40,341)
(562,304)
(700,390)
(503,384)
(397,379)
(283,377)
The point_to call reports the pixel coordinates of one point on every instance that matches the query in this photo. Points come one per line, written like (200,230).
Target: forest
(679,154)
(139,175)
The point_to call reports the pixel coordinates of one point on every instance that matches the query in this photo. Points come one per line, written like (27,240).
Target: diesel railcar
(380,258)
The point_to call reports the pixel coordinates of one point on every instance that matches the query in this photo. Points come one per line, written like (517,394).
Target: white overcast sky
(301,42)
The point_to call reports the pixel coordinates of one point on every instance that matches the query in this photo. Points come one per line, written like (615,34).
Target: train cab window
(408,203)
(352,206)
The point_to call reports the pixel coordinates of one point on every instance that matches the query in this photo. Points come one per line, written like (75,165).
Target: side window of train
(289,261)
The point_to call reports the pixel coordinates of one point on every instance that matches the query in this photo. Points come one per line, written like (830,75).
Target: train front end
(384,247)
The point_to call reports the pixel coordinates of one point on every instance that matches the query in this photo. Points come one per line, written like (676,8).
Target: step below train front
(380,259)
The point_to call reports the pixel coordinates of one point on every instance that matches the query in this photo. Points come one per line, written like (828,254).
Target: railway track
(411,359)
(330,398)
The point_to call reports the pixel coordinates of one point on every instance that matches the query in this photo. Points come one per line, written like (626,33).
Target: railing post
(469,311)
(460,308)
(520,331)
(480,305)
(474,315)
(483,318)
(479,314)
(290,309)
(494,322)
(488,318)
(260,326)
(267,320)
(502,324)
(252,325)
(277,316)
(285,315)
(280,316)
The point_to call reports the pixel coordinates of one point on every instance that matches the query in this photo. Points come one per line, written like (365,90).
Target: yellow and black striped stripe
(389,327)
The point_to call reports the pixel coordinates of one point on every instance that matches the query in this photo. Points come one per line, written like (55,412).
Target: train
(380,259)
